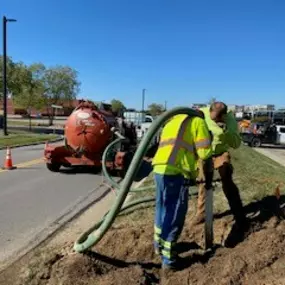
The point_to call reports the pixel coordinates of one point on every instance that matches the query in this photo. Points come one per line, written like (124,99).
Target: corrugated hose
(94,234)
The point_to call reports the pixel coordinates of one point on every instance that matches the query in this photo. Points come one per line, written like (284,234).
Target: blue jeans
(170,212)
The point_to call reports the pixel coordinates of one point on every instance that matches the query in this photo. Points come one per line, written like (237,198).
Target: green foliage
(155,109)
(37,86)
(32,89)
(60,84)
(14,76)
(117,106)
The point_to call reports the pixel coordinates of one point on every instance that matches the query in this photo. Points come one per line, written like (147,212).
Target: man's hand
(222,125)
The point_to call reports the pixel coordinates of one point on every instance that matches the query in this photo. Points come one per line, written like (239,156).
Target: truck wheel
(96,169)
(256,142)
(54,167)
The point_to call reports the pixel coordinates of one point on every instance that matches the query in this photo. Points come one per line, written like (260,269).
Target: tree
(117,106)
(14,76)
(38,86)
(32,90)
(60,86)
(155,109)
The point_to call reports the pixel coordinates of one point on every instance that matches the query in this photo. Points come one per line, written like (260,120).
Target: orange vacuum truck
(88,131)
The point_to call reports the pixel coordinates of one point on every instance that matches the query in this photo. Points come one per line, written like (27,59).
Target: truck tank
(87,134)
(87,130)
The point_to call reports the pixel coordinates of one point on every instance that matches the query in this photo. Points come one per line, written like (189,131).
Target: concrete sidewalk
(275,153)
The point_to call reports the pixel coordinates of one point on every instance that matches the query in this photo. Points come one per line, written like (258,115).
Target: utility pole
(165,105)
(143,99)
(5,20)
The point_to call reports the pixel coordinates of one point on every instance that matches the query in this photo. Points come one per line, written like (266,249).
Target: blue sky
(181,51)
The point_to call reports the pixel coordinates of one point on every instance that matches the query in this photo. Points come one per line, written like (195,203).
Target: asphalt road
(34,200)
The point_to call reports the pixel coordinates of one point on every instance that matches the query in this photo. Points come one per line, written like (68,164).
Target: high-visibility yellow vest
(183,141)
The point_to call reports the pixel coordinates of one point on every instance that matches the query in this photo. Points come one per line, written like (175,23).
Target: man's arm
(202,139)
(231,134)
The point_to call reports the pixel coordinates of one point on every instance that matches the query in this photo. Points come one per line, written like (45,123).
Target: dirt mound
(126,256)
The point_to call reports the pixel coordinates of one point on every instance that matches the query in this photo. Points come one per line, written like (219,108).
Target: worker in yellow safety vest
(183,141)
(224,129)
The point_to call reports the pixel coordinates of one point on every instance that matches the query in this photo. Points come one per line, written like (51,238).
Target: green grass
(23,138)
(255,175)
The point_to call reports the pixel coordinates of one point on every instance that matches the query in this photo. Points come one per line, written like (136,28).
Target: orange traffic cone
(8,162)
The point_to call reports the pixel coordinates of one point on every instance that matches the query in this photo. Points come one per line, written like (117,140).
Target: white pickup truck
(144,126)
(142,123)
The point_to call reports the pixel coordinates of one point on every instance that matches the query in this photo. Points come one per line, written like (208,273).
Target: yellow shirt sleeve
(202,138)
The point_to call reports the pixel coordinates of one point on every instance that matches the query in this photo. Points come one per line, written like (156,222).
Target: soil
(126,256)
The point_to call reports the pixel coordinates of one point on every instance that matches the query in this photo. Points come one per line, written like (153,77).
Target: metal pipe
(143,99)
(5,20)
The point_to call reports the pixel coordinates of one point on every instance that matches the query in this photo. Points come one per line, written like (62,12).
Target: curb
(35,143)
(47,234)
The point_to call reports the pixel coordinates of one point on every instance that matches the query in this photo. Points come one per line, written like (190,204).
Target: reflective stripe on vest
(203,143)
(178,143)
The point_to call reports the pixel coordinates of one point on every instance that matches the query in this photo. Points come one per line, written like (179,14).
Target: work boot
(176,265)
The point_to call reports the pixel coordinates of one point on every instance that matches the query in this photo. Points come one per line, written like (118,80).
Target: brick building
(13,110)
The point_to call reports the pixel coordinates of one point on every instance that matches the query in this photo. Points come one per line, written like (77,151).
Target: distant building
(264,107)
(13,110)
(198,105)
(232,107)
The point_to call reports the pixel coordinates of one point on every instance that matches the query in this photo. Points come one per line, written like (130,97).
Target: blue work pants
(170,212)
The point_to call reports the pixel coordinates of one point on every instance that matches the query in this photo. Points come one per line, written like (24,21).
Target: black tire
(256,142)
(96,169)
(54,167)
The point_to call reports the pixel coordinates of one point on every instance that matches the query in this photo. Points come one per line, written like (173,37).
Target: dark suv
(265,134)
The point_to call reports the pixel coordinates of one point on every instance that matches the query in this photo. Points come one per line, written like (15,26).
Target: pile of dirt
(126,256)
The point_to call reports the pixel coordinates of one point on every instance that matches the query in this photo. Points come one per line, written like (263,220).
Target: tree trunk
(50,115)
(30,123)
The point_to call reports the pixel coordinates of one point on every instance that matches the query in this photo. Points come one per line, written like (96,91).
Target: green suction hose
(109,178)
(96,233)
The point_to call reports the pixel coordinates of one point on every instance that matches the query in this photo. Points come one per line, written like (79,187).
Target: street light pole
(143,98)
(4,78)
(5,20)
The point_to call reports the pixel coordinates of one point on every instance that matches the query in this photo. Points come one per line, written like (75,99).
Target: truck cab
(280,135)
